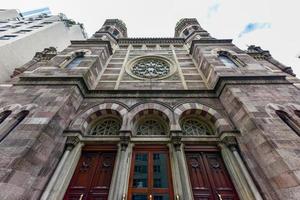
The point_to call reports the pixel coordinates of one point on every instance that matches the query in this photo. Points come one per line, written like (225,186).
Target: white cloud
(221,18)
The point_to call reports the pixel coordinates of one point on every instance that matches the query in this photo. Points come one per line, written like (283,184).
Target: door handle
(150,197)
(177,197)
(124,197)
(81,196)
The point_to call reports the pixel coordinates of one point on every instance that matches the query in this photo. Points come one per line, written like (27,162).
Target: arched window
(195,28)
(4,115)
(297,112)
(230,60)
(151,126)
(289,121)
(14,123)
(106,126)
(195,126)
(186,32)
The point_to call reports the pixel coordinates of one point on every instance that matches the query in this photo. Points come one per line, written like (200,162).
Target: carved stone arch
(12,107)
(29,107)
(272,107)
(84,119)
(293,108)
(216,50)
(144,109)
(219,123)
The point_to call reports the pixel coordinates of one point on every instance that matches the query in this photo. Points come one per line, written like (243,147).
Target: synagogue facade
(190,117)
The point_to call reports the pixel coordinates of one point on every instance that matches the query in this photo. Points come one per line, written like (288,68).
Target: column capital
(125,136)
(229,141)
(71,142)
(176,137)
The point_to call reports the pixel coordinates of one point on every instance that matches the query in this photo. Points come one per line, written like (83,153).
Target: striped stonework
(85,118)
(212,116)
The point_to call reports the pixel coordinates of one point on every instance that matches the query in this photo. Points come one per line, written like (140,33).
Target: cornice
(93,41)
(150,40)
(204,93)
(209,41)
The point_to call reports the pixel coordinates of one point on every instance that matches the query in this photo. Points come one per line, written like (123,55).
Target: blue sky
(273,25)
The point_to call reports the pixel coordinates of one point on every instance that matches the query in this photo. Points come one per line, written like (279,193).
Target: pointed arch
(15,121)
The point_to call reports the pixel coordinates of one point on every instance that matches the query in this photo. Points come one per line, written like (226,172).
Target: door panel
(150,174)
(92,176)
(209,177)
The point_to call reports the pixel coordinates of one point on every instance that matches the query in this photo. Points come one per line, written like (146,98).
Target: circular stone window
(150,67)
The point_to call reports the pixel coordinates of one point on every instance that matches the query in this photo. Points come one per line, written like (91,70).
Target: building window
(289,121)
(75,62)
(22,31)
(47,23)
(150,127)
(297,113)
(116,32)
(230,60)
(194,126)
(7,37)
(14,123)
(186,32)
(35,27)
(4,115)
(106,126)
(195,28)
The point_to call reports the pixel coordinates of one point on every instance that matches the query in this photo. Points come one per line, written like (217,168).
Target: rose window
(151,68)
(192,126)
(106,126)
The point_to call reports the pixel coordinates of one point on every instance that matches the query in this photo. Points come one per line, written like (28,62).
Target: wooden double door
(92,176)
(150,176)
(209,177)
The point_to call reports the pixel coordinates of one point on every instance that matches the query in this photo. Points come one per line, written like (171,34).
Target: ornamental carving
(193,126)
(106,126)
(151,68)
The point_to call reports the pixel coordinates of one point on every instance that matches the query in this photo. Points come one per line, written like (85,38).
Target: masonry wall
(30,153)
(269,147)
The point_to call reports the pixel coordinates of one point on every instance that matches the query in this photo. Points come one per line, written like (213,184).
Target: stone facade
(261,152)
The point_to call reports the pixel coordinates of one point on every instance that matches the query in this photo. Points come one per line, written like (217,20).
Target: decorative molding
(151,40)
(71,142)
(176,137)
(125,137)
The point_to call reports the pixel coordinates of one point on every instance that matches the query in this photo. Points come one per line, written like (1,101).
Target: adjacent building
(21,38)
(183,118)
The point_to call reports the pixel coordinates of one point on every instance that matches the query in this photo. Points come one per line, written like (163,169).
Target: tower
(188,117)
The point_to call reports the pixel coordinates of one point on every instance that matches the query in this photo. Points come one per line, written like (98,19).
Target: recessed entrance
(150,177)
(209,177)
(93,174)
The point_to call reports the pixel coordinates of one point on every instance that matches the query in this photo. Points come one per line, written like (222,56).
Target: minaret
(190,29)
(111,30)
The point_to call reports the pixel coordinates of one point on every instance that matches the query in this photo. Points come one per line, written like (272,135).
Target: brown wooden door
(92,176)
(209,177)
(150,177)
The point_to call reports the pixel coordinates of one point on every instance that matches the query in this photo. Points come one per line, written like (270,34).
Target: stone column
(236,174)
(119,190)
(183,173)
(246,173)
(63,173)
